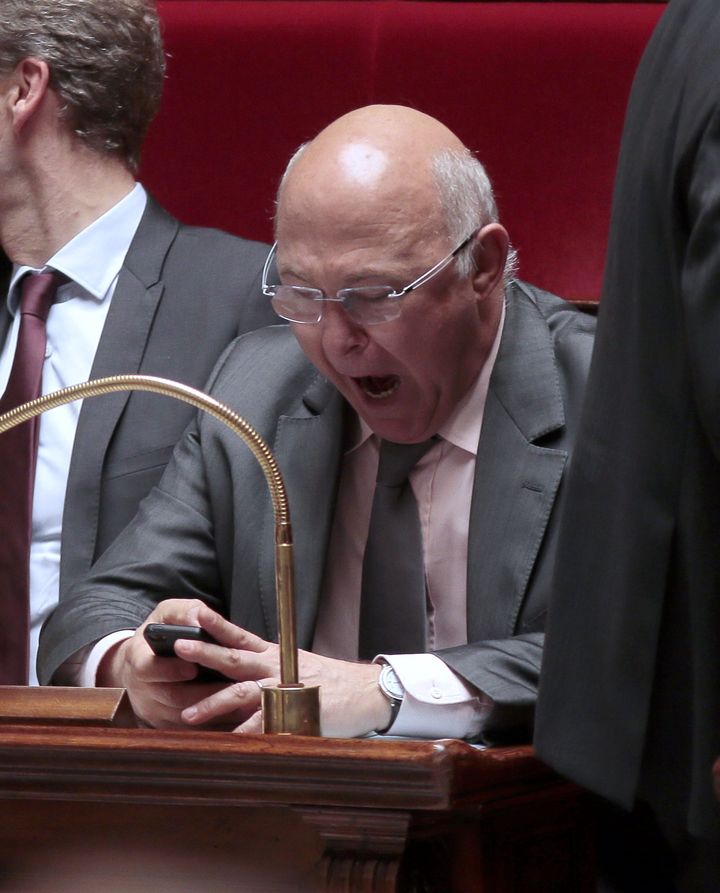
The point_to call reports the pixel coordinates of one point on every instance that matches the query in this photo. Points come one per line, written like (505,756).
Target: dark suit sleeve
(508,671)
(196,534)
(167,551)
(700,277)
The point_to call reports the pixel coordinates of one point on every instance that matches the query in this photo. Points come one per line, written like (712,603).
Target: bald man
(406,324)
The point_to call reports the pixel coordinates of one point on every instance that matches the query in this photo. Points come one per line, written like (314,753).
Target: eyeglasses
(369,304)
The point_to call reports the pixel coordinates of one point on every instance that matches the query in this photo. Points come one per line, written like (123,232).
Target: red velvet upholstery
(538,89)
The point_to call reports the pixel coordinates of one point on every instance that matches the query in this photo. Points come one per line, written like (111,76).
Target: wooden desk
(111,809)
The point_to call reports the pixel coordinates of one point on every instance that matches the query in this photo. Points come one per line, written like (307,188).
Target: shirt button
(436,693)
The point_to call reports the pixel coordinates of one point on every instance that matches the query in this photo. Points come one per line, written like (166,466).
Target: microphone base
(291,710)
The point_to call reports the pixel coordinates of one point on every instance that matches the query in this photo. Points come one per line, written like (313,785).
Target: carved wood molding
(360,875)
(363,847)
(141,765)
(373,831)
(21,705)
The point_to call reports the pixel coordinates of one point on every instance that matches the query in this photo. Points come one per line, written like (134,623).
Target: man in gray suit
(80,81)
(406,324)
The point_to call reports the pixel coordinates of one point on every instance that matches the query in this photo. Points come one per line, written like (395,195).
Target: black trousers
(636,854)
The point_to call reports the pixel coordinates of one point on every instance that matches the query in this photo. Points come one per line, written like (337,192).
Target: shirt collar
(93,258)
(462,429)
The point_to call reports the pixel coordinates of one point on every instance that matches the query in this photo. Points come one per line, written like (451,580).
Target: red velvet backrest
(537,89)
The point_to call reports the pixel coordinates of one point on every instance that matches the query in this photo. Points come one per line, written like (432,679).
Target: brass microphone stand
(289,708)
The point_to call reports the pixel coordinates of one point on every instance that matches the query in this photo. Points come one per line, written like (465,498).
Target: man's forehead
(346,227)
(327,216)
(363,208)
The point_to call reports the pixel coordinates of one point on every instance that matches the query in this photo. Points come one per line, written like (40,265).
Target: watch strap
(393,693)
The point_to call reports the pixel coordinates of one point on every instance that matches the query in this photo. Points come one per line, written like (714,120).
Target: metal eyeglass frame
(344,294)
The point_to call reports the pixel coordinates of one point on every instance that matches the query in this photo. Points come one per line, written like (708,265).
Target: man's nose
(340,332)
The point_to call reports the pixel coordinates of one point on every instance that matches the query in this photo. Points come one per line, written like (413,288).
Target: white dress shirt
(92,261)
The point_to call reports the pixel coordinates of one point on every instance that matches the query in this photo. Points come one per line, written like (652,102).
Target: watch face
(390,683)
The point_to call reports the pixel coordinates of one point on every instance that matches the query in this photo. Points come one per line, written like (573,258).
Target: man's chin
(398,430)
(385,410)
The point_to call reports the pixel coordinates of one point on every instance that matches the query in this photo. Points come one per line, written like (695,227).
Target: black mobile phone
(161,637)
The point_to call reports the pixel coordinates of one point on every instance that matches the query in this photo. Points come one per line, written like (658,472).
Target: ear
(489,253)
(29,85)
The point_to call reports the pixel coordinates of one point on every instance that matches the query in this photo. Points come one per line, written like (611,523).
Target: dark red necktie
(18,451)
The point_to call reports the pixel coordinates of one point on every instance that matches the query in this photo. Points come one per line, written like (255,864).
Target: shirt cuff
(91,657)
(438,703)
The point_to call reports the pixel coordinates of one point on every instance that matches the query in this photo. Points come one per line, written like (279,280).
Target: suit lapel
(515,479)
(308,449)
(120,350)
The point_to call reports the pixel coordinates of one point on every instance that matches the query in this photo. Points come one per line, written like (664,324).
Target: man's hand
(159,688)
(351,703)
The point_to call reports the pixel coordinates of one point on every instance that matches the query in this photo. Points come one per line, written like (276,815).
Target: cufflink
(393,690)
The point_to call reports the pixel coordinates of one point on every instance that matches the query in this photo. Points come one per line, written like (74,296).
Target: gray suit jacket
(183,294)
(207,530)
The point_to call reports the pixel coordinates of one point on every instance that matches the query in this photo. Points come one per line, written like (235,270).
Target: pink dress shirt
(436,700)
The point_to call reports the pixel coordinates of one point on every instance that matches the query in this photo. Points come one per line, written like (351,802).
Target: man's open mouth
(378,386)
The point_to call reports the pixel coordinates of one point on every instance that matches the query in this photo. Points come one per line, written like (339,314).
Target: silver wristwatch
(393,690)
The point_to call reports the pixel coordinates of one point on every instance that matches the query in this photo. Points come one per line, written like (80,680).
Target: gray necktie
(393,603)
